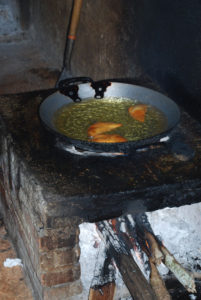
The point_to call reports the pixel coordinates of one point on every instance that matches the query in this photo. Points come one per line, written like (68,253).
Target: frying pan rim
(128,144)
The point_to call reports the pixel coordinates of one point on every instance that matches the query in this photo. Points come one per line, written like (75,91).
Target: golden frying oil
(74,119)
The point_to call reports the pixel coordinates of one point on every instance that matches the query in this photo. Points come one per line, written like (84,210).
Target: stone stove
(46,193)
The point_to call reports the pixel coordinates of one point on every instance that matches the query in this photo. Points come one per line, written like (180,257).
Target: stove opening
(162,246)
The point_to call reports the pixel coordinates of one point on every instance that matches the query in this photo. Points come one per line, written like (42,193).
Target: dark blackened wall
(133,38)
(50,20)
(105,44)
(24,13)
(169,47)
(105,47)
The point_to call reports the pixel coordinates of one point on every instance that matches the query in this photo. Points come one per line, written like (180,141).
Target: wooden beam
(131,274)
(105,292)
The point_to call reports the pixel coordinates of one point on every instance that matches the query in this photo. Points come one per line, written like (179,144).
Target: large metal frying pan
(89,89)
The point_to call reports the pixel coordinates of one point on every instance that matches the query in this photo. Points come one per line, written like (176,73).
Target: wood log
(104,271)
(158,284)
(196,275)
(156,254)
(133,278)
(131,274)
(106,292)
(184,277)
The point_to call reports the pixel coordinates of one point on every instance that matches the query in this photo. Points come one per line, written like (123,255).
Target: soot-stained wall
(169,47)
(128,39)
(105,44)
(105,47)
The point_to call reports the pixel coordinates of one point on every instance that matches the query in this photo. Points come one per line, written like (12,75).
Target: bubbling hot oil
(73,120)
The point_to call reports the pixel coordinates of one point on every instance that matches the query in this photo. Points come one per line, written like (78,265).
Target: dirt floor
(12,282)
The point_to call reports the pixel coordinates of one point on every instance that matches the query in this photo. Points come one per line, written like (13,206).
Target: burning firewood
(106,292)
(196,275)
(184,277)
(158,284)
(125,236)
(103,283)
(156,254)
(132,276)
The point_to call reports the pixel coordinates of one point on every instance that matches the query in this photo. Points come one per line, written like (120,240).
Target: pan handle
(66,82)
(69,87)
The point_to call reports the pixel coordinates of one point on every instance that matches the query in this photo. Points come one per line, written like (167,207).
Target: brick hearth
(50,255)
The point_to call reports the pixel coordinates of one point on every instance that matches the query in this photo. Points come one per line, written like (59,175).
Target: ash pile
(149,256)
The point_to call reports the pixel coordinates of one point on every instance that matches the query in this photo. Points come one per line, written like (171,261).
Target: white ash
(98,266)
(164,139)
(192,297)
(89,244)
(141,262)
(131,220)
(73,150)
(163,269)
(12,262)
(179,230)
(90,241)
(123,227)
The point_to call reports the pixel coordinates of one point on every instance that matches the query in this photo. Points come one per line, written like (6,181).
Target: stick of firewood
(132,276)
(106,292)
(147,239)
(152,248)
(184,277)
(103,282)
(196,275)
(156,254)
(158,284)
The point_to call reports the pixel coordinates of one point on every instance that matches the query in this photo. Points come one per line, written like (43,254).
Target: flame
(138,255)
(147,244)
(114,223)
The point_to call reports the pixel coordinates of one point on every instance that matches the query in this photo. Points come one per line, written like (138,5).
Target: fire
(147,244)
(138,254)
(113,222)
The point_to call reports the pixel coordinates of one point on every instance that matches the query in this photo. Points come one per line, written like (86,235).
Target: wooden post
(106,292)
(103,282)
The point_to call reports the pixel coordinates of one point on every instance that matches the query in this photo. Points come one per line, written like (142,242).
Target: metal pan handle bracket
(69,87)
(100,87)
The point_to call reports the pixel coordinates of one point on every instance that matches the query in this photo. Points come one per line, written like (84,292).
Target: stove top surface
(97,187)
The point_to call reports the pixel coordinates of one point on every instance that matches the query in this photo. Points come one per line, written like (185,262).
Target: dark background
(137,39)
